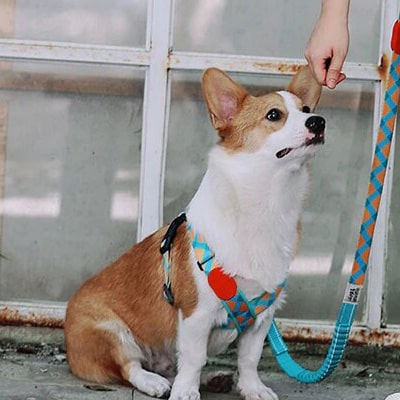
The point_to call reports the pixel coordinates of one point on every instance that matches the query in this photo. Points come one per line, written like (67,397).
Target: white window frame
(158,58)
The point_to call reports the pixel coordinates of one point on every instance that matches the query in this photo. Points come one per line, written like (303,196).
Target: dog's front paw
(256,391)
(188,394)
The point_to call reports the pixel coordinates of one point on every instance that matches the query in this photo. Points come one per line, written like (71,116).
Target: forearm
(329,42)
(337,9)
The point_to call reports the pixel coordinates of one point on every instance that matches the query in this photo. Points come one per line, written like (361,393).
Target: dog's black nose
(315,124)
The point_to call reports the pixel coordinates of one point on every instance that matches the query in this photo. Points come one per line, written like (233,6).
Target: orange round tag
(224,286)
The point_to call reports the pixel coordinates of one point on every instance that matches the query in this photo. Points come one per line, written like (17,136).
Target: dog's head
(280,125)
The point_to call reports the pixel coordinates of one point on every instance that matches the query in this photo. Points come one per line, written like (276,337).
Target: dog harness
(242,312)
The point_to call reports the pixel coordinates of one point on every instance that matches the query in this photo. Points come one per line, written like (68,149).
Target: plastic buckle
(169,236)
(395,42)
(168,293)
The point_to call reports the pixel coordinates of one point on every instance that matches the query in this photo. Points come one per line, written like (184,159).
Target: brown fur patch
(128,293)
(250,127)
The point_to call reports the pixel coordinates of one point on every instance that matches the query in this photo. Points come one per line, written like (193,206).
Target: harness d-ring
(357,278)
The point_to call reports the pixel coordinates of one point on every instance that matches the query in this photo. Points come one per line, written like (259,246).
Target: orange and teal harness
(242,312)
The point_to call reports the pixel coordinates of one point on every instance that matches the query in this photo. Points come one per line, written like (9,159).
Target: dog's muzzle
(316,127)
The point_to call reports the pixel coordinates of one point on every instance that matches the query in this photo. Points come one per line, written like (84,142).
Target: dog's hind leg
(147,382)
(106,351)
(130,357)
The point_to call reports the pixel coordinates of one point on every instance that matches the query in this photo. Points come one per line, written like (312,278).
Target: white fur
(247,207)
(158,361)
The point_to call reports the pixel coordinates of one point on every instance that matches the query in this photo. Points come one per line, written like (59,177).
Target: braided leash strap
(357,278)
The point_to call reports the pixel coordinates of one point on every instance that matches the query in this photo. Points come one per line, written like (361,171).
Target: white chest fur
(248,211)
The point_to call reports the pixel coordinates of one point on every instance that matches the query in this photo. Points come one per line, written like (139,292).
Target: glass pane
(121,22)
(72,157)
(279,28)
(340,175)
(392,297)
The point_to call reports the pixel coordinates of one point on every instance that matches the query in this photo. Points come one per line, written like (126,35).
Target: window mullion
(154,117)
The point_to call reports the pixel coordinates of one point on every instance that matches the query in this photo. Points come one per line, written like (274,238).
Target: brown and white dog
(119,327)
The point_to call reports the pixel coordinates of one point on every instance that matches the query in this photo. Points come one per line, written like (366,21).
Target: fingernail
(331,83)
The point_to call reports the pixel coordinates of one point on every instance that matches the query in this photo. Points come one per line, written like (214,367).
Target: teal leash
(357,278)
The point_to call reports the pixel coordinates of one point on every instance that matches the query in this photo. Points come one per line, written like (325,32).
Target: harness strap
(242,313)
(357,278)
(165,250)
(245,312)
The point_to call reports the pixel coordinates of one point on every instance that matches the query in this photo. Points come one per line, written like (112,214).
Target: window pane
(340,175)
(279,28)
(72,159)
(120,22)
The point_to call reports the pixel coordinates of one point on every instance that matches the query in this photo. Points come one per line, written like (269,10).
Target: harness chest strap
(242,313)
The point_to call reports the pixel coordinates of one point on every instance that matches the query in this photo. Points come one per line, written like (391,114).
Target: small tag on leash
(352,294)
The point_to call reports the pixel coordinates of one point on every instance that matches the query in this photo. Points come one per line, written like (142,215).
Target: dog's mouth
(316,139)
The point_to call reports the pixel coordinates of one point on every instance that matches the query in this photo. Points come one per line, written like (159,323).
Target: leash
(357,278)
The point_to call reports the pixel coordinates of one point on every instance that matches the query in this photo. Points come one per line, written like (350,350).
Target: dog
(144,314)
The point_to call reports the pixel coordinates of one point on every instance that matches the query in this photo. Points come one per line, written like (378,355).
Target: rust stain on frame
(383,67)
(12,316)
(285,68)
(362,336)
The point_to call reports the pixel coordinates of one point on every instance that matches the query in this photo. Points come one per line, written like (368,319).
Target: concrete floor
(33,367)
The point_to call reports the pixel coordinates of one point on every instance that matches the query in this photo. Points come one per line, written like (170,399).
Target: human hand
(327,49)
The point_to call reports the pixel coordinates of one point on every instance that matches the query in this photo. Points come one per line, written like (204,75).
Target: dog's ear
(306,87)
(223,97)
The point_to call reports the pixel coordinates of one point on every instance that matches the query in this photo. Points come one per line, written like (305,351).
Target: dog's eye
(274,115)
(306,109)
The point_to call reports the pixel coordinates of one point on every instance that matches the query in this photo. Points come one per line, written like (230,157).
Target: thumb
(334,73)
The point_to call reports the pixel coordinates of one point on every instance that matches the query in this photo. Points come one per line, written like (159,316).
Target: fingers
(334,73)
(327,71)
(342,77)
(318,69)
